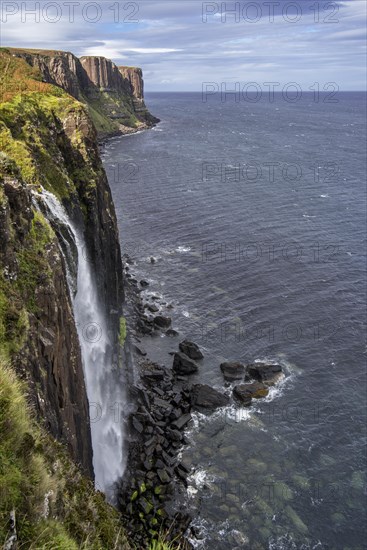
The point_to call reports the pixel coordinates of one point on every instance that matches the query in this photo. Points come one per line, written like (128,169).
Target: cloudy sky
(181,44)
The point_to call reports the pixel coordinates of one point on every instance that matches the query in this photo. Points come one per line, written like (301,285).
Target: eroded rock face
(135,77)
(39,319)
(60,68)
(49,359)
(99,218)
(104,74)
(116,93)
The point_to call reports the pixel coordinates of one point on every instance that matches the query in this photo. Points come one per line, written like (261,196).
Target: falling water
(103,378)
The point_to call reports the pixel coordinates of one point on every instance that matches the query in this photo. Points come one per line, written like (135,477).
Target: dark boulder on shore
(190,349)
(183,364)
(171,332)
(152,308)
(268,374)
(246,392)
(161,321)
(140,351)
(205,397)
(232,370)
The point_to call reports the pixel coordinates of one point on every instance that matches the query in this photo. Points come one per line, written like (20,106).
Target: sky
(182,45)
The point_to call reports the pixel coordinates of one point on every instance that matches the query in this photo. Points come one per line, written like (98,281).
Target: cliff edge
(113,95)
(48,142)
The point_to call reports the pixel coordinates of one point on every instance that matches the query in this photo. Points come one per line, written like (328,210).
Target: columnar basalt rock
(60,68)
(49,357)
(135,76)
(104,74)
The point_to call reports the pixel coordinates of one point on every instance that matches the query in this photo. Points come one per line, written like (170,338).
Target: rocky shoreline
(164,400)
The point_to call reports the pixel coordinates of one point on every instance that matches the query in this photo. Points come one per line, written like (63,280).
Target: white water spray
(103,379)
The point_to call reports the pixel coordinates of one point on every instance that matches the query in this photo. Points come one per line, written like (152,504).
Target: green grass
(19,78)
(163,544)
(35,470)
(32,131)
(18,293)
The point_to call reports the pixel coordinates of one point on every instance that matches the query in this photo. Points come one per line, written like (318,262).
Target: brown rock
(246,392)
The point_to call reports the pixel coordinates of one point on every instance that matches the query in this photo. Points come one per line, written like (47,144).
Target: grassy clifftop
(32,114)
(113,96)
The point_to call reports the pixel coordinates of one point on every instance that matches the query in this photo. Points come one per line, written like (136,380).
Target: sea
(248,220)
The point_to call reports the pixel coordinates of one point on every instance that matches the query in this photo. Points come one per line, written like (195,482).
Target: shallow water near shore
(259,265)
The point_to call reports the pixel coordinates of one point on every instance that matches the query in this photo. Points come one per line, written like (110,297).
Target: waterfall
(103,379)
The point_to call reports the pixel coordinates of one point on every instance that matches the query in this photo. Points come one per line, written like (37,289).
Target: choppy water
(256,215)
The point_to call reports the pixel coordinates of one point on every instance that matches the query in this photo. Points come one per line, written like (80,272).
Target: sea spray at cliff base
(103,378)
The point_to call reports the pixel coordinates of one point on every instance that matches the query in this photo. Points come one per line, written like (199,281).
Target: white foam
(183,249)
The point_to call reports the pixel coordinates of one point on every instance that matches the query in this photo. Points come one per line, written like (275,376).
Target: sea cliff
(54,109)
(113,95)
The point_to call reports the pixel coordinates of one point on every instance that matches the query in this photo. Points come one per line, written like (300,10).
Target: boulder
(161,321)
(232,370)
(144,283)
(171,332)
(140,351)
(173,434)
(181,422)
(145,505)
(152,308)
(246,392)
(190,349)
(203,396)
(137,425)
(183,364)
(268,374)
(154,375)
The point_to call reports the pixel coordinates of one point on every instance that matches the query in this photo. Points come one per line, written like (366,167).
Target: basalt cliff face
(113,95)
(48,141)
(38,334)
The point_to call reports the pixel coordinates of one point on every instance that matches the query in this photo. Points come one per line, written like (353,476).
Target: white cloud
(154,50)
(178,51)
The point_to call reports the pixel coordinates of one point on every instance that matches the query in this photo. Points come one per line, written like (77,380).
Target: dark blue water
(256,215)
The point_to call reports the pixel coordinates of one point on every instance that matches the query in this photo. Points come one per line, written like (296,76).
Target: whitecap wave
(183,249)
